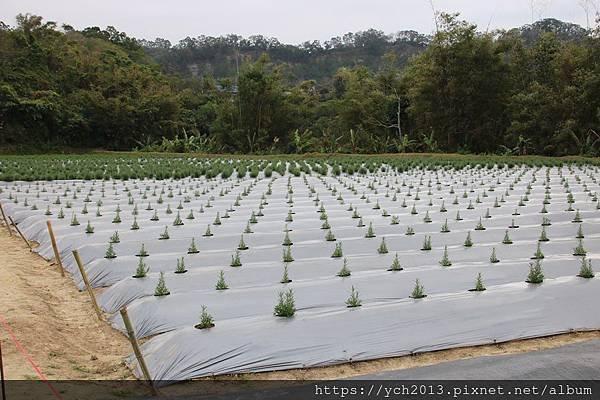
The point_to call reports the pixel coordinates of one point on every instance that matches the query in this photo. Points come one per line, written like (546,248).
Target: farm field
(374,257)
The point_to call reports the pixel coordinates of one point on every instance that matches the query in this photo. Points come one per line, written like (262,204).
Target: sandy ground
(56,325)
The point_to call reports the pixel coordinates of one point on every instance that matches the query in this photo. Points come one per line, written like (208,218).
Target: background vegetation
(531,90)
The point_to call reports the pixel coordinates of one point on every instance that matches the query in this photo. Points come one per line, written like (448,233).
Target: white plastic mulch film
(505,211)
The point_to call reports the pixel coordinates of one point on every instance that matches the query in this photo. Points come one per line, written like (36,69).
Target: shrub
(142,270)
(418,291)
(353,300)
(221,284)
(161,287)
(536,274)
(206,320)
(586,270)
(285,306)
(344,271)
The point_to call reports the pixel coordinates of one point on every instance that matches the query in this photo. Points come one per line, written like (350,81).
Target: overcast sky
(290,21)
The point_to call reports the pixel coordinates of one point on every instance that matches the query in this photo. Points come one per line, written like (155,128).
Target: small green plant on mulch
(382,249)
(426,243)
(242,244)
(543,235)
(206,320)
(287,241)
(493,258)
(142,269)
(538,255)
(180,268)
(396,266)
(110,252)
(445,261)
(418,291)
(370,232)
(586,270)
(221,284)
(479,286)
(579,250)
(161,287)
(330,236)
(285,306)
(89,229)
(165,234)
(353,300)
(337,252)
(468,241)
(507,239)
(115,238)
(285,278)
(235,259)
(287,255)
(193,249)
(536,274)
(344,271)
(143,252)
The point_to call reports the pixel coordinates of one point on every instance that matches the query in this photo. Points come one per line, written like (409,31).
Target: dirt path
(53,321)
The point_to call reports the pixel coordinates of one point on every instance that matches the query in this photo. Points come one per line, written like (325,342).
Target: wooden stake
(5,220)
(87,284)
(136,349)
(2,374)
(20,233)
(55,248)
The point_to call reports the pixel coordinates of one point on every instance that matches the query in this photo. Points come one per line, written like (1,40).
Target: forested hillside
(527,90)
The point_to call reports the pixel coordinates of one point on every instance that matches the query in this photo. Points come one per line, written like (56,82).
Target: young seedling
(353,301)
(242,245)
(165,234)
(382,247)
(142,270)
(285,278)
(89,229)
(287,241)
(360,223)
(135,226)
(586,270)
(248,229)
(418,291)
(445,261)
(329,237)
(287,255)
(221,284)
(579,233)
(445,228)
(74,221)
(143,252)
(235,259)
(536,274)
(395,264)
(427,218)
(579,250)
(180,269)
(193,249)
(426,243)
(177,221)
(493,258)
(577,218)
(344,271)
(410,231)
(207,233)
(543,235)
(479,226)
(337,252)
(538,255)
(115,238)
(206,320)
(513,225)
(117,218)
(370,233)
(507,239)
(161,288)
(468,240)
(110,252)
(217,220)
(458,217)
(285,306)
(479,286)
